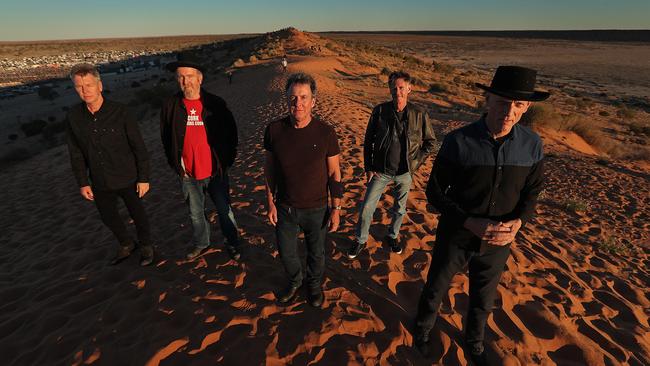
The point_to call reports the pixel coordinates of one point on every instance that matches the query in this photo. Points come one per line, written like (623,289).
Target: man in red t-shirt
(200,139)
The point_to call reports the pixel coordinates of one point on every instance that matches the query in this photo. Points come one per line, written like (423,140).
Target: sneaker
(395,247)
(146,255)
(355,249)
(233,252)
(123,252)
(195,252)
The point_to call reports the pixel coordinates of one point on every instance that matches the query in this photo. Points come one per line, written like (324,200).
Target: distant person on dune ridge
(104,140)
(398,139)
(302,171)
(199,136)
(284,63)
(484,182)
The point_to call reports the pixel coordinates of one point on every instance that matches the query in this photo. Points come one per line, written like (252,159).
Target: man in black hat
(484,182)
(200,140)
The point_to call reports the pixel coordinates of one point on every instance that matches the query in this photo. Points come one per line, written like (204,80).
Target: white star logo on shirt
(193,111)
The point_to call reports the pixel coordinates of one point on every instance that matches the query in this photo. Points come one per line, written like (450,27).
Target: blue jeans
(375,188)
(313,222)
(218,188)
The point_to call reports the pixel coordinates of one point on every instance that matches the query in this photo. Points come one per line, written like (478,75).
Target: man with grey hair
(302,170)
(398,139)
(104,140)
(200,139)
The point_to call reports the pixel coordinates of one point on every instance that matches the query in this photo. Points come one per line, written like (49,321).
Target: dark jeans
(484,273)
(106,202)
(313,222)
(219,190)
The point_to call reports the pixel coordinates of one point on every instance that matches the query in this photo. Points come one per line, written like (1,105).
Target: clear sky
(72,19)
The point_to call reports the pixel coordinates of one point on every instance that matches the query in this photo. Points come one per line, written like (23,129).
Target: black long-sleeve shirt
(108,145)
(477,176)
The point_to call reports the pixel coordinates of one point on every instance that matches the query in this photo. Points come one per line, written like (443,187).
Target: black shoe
(477,355)
(146,255)
(421,340)
(195,252)
(233,252)
(123,252)
(395,247)
(355,249)
(288,295)
(315,297)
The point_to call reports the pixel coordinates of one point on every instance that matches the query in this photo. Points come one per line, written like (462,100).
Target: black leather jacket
(219,125)
(420,138)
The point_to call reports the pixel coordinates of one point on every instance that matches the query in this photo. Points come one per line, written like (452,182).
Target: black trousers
(312,221)
(485,271)
(106,202)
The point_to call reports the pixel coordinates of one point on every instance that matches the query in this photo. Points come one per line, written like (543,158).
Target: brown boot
(123,252)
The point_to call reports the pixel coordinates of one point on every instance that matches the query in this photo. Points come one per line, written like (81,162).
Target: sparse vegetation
(575,205)
(612,245)
(625,112)
(604,113)
(443,68)
(438,88)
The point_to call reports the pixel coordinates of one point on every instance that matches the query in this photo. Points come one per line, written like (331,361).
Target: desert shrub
(419,82)
(411,60)
(442,68)
(575,205)
(33,128)
(625,112)
(438,88)
(583,103)
(542,115)
(612,245)
(640,128)
(386,71)
(603,113)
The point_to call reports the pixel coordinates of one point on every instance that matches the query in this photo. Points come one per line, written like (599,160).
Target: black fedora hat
(516,83)
(186,60)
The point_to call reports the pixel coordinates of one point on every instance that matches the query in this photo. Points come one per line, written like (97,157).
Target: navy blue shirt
(475,175)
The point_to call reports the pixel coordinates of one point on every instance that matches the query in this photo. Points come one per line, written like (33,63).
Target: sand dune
(563,300)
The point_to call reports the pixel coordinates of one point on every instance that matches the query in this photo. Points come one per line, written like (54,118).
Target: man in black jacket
(485,182)
(200,139)
(104,139)
(398,139)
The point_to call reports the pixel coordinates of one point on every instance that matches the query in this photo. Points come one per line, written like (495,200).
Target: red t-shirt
(197,157)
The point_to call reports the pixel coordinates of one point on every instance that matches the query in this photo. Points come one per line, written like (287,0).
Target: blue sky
(72,19)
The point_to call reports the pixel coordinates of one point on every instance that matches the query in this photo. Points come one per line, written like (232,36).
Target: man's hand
(369,175)
(502,238)
(142,189)
(87,193)
(272,213)
(334,220)
(485,228)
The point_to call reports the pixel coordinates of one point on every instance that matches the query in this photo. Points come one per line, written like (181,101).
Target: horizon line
(333,31)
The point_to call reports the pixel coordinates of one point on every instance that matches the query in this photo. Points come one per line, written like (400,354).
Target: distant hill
(604,35)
